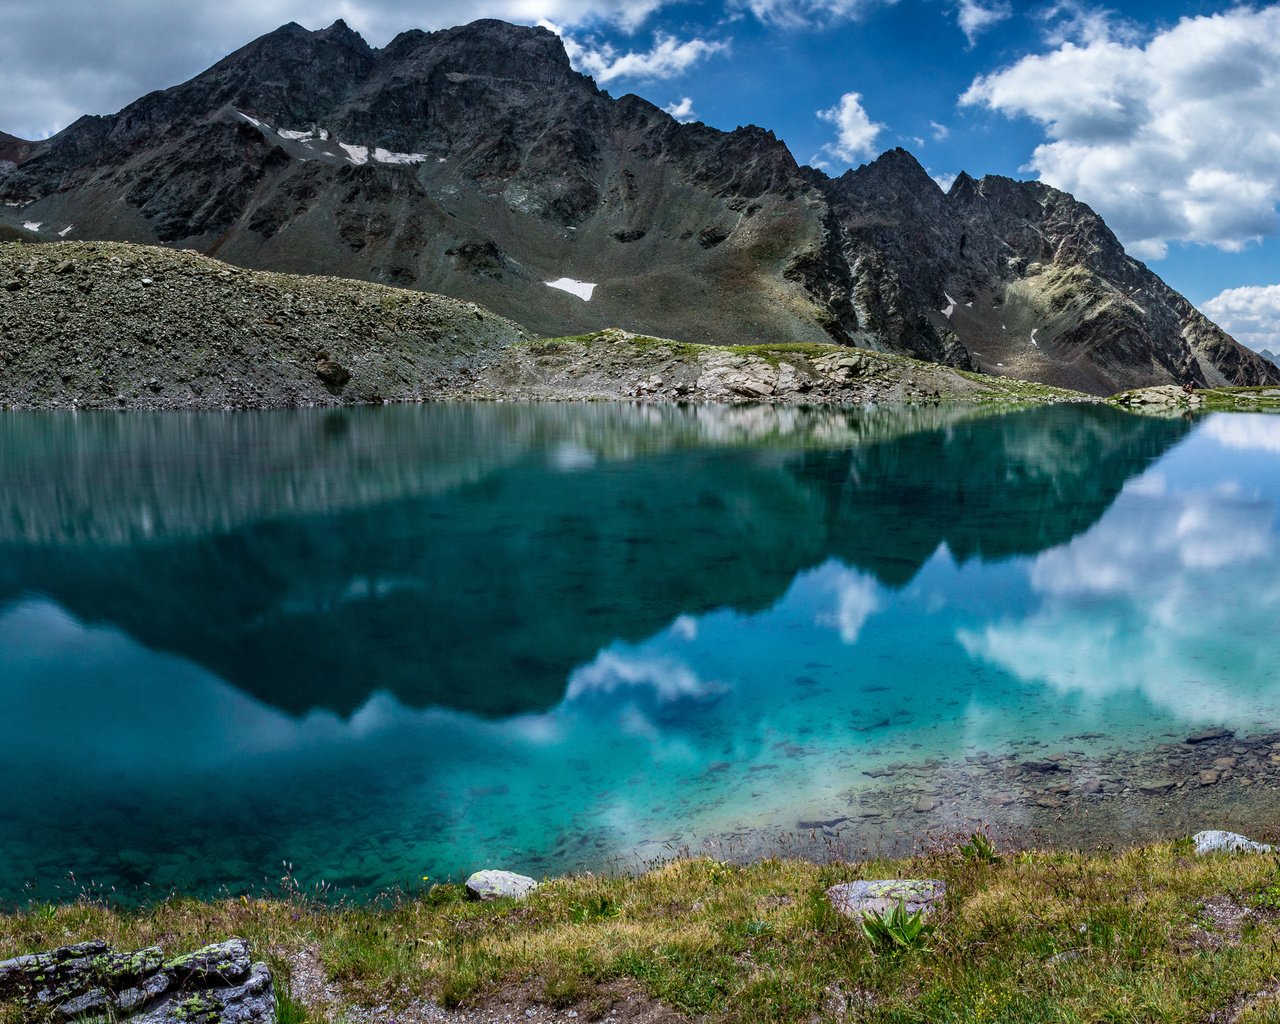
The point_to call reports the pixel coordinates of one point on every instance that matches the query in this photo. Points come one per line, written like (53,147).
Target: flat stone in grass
(1217,841)
(854,899)
(497,885)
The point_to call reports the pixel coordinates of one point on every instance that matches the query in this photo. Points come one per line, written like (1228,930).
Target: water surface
(387,643)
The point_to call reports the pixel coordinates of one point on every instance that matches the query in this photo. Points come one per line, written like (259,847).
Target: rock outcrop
(1217,841)
(498,885)
(219,984)
(857,899)
(477,163)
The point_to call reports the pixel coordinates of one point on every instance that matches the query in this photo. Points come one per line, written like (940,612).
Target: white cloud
(809,13)
(1078,22)
(940,131)
(1257,433)
(1251,315)
(975,18)
(945,181)
(1171,139)
(1159,592)
(683,110)
(857,598)
(667,58)
(665,678)
(856,132)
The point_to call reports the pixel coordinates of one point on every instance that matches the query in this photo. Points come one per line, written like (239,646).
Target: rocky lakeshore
(963,925)
(1070,798)
(105,325)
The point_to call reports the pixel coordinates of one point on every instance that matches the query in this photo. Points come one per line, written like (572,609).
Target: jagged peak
(896,164)
(527,45)
(289,28)
(341,29)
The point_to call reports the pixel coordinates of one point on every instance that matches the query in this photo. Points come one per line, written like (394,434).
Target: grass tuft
(1028,937)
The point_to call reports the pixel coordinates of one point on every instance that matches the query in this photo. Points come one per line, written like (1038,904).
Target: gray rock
(1205,735)
(252,1001)
(854,899)
(496,885)
(1217,841)
(333,374)
(215,985)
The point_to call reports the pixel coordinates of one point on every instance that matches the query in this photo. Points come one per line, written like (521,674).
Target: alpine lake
(366,650)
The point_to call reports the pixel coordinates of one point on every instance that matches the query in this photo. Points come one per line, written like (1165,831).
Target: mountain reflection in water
(389,642)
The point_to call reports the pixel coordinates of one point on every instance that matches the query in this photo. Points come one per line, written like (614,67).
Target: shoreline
(701,939)
(1067,801)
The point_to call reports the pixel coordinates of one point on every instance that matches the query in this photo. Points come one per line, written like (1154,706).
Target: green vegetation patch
(1138,936)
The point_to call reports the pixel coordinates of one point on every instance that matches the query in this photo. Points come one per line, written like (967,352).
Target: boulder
(497,885)
(218,984)
(854,899)
(1217,841)
(332,374)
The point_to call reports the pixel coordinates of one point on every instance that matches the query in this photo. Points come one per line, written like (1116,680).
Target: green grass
(1055,937)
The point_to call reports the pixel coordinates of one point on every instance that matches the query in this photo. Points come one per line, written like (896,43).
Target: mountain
(1270,356)
(353,565)
(475,162)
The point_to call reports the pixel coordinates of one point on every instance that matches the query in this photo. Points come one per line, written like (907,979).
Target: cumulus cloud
(975,17)
(856,599)
(1246,433)
(1251,315)
(855,132)
(1172,138)
(1078,22)
(1153,592)
(130,47)
(810,13)
(682,110)
(665,679)
(667,58)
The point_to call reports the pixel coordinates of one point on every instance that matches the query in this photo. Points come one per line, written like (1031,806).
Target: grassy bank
(1151,934)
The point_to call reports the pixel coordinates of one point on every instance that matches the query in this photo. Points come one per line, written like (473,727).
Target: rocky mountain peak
(476,162)
(496,49)
(896,170)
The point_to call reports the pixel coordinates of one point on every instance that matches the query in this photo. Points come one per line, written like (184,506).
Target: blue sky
(1160,115)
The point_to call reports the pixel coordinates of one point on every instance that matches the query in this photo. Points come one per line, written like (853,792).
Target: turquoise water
(387,643)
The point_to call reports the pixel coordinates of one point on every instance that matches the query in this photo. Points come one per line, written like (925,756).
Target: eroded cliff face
(477,163)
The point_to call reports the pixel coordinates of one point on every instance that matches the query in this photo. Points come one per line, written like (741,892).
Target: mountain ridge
(475,162)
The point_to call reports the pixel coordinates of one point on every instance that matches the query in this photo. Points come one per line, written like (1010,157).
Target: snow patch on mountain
(579,288)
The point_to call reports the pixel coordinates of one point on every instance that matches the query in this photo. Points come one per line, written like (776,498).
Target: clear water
(388,643)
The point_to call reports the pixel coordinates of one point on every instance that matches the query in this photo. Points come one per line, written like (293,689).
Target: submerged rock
(496,885)
(1214,733)
(854,899)
(1217,841)
(218,984)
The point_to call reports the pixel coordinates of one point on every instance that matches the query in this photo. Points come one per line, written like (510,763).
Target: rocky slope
(115,325)
(88,325)
(618,364)
(477,163)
